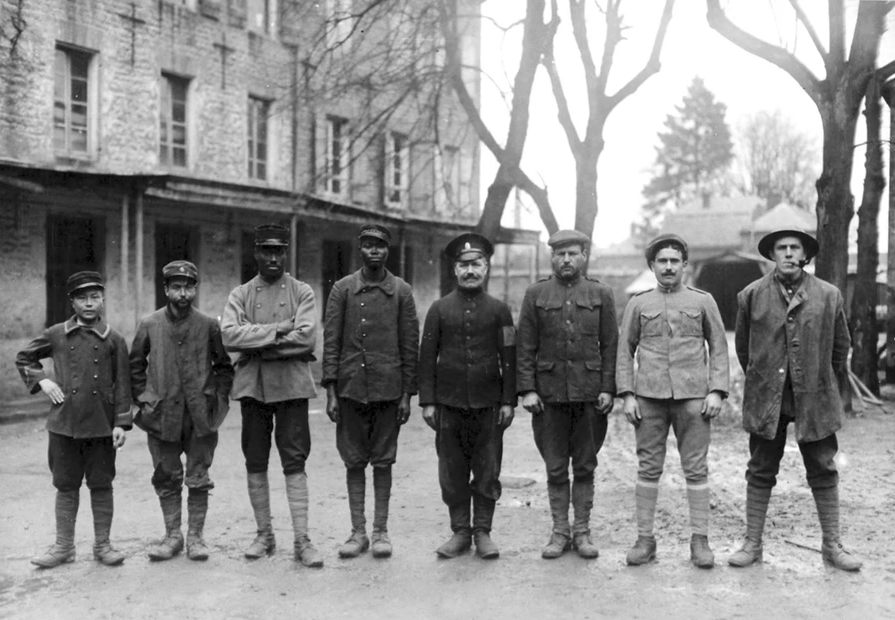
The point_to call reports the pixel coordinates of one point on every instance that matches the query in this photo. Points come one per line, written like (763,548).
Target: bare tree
(777,159)
(838,100)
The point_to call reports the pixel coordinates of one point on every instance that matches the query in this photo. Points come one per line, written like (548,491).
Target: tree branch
(652,64)
(774,54)
(886,71)
(595,83)
(562,103)
(818,44)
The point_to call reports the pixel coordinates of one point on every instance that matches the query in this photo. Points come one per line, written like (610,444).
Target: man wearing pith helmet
(566,378)
(370,351)
(180,379)
(468,393)
(270,325)
(668,381)
(792,341)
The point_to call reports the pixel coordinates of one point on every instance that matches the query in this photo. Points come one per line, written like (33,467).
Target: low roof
(782,216)
(712,227)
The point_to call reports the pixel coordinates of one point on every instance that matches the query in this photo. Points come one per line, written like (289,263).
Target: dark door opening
(723,280)
(336,263)
(172,242)
(73,244)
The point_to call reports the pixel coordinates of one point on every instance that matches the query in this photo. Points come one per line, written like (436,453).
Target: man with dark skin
(792,341)
(566,376)
(468,392)
(370,350)
(182,396)
(270,323)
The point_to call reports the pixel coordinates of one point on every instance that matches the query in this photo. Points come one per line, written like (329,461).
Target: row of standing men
(567,360)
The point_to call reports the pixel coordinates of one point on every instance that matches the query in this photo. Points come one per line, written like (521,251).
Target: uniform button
(282,303)
(95,347)
(467,312)
(569,302)
(257,288)
(568,321)
(363,365)
(96,376)
(781,371)
(363,335)
(362,304)
(257,305)
(74,391)
(72,348)
(467,337)
(363,320)
(94,392)
(96,361)
(282,286)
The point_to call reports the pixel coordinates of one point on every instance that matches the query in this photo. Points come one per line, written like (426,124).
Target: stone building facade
(137,132)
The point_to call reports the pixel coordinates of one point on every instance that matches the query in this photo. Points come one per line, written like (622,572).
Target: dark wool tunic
(91,368)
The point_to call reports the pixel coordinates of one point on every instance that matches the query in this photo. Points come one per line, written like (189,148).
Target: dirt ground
(792,582)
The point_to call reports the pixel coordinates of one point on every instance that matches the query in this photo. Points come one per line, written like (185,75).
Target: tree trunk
(495,202)
(835,202)
(889,93)
(862,322)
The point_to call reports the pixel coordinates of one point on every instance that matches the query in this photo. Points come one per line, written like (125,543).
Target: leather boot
(382,491)
(357,542)
(700,553)
(482,518)
(643,551)
(462,538)
(102,503)
(560,538)
(757,500)
(583,503)
(172,543)
(259,497)
(63,551)
(297,495)
(197,508)
(827,502)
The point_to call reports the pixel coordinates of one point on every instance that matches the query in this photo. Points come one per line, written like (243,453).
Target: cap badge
(467,246)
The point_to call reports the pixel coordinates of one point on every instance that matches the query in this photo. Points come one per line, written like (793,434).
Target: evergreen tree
(694,154)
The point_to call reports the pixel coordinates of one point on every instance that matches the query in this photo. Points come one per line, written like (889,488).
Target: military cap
(468,246)
(271,234)
(652,248)
(766,245)
(376,231)
(82,280)
(180,269)
(566,237)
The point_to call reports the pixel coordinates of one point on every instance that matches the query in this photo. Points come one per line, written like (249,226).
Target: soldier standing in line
(181,378)
(270,323)
(676,385)
(566,377)
(370,349)
(792,342)
(468,392)
(90,412)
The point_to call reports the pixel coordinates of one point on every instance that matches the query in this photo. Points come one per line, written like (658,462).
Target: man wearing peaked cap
(792,341)
(89,413)
(672,385)
(270,324)
(468,393)
(370,350)
(566,377)
(169,386)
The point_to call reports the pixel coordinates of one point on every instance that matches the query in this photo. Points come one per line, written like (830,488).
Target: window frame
(68,100)
(336,183)
(166,113)
(397,168)
(254,105)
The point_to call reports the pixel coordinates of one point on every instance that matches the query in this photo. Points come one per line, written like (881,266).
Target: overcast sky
(745,83)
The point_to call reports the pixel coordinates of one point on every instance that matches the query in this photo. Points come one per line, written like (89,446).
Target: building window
(259,12)
(71,102)
(396,168)
(339,23)
(259,111)
(173,121)
(336,155)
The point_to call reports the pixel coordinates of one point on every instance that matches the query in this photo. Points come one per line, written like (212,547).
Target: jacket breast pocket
(691,323)
(589,312)
(652,324)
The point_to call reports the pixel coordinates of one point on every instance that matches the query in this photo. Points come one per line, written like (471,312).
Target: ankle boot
(63,551)
(643,551)
(197,508)
(259,497)
(582,503)
(482,518)
(297,495)
(827,502)
(102,503)
(461,539)
(757,500)
(172,543)
(700,553)
(382,491)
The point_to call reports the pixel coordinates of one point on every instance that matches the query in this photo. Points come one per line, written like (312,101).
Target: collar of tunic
(101,328)
(358,284)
